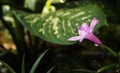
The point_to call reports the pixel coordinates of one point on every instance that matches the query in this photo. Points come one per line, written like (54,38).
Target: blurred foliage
(32,70)
(76,58)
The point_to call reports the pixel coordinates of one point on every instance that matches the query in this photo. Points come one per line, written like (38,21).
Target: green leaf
(106,67)
(32,70)
(8,67)
(23,64)
(30,4)
(50,70)
(79,70)
(57,27)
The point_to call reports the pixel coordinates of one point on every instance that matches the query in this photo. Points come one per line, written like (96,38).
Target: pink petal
(93,38)
(82,29)
(76,38)
(81,40)
(82,33)
(85,26)
(93,24)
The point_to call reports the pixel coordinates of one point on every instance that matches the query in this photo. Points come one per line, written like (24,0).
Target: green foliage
(32,70)
(30,4)
(104,68)
(80,70)
(50,70)
(23,64)
(7,66)
(59,26)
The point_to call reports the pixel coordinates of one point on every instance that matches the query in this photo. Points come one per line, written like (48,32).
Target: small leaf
(32,70)
(50,70)
(106,67)
(8,67)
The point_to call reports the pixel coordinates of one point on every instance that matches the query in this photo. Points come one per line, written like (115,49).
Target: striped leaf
(57,27)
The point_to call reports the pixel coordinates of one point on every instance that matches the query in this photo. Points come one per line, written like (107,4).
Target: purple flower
(86,32)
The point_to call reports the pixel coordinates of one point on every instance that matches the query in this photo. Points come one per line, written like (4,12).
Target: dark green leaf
(57,27)
(106,67)
(79,70)
(8,67)
(23,64)
(50,70)
(32,70)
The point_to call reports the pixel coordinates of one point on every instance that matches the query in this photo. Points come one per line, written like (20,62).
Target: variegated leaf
(57,27)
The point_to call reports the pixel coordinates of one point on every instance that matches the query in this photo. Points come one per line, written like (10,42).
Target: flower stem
(111,50)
